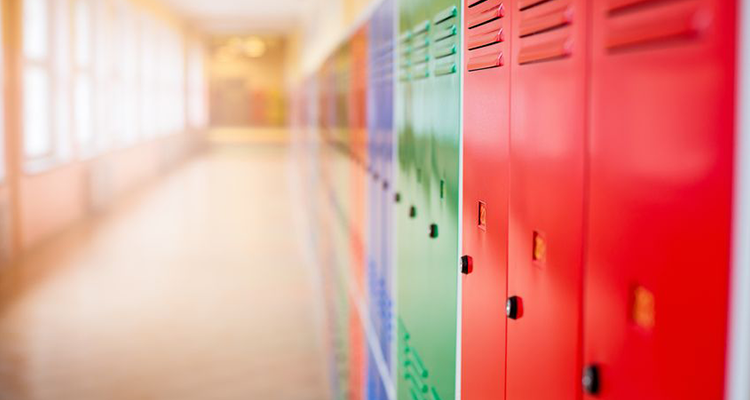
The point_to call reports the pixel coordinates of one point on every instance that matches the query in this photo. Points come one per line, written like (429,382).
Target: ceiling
(243,16)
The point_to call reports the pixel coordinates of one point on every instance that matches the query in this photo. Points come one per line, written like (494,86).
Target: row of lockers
(527,199)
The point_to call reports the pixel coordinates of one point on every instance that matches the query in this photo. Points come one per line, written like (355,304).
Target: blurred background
(150,232)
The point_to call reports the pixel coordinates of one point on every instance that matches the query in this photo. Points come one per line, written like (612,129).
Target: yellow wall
(247,90)
(320,33)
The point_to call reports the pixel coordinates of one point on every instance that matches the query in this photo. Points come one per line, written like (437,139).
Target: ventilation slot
(544,30)
(477,63)
(444,46)
(557,17)
(420,72)
(445,51)
(446,68)
(415,372)
(524,4)
(445,15)
(485,12)
(405,51)
(484,35)
(446,33)
(545,51)
(420,57)
(616,6)
(421,28)
(645,26)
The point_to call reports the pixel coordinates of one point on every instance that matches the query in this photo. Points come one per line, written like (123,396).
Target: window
(127,73)
(38,139)
(90,68)
(83,87)
(46,80)
(197,88)
(104,79)
(148,78)
(62,80)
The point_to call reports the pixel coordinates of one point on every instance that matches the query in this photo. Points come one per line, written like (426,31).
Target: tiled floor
(195,288)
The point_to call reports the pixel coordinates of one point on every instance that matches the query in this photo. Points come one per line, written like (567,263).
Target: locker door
(427,235)
(485,201)
(380,138)
(381,123)
(357,105)
(661,175)
(548,125)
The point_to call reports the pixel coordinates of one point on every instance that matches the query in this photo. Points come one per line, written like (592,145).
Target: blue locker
(380,188)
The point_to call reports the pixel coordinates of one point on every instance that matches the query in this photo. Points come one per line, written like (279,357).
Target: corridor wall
(75,137)
(538,202)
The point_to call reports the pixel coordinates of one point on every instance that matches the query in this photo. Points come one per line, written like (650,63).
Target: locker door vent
(444,42)
(545,30)
(485,23)
(381,67)
(404,63)
(484,12)
(415,372)
(633,24)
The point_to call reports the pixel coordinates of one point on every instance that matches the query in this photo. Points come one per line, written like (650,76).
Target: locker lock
(467,265)
(397,197)
(433,231)
(513,307)
(385,185)
(590,379)
(413,212)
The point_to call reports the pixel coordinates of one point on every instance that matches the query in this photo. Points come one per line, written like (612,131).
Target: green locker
(428,123)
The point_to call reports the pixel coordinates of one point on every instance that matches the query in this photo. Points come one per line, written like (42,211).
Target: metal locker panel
(376,387)
(380,147)
(334,247)
(661,156)
(357,106)
(427,217)
(485,201)
(547,142)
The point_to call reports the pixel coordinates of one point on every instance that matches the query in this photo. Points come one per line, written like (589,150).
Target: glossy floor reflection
(195,288)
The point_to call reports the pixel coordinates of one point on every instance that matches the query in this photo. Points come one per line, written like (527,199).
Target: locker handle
(590,379)
(484,39)
(485,62)
(467,265)
(514,307)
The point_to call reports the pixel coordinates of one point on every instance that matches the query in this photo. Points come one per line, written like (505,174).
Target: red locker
(358,178)
(661,157)
(485,193)
(547,159)
(357,107)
